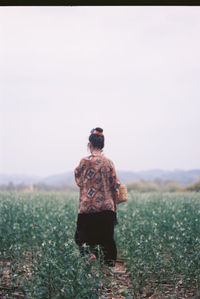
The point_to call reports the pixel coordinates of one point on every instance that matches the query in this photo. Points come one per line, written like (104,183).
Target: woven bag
(123,194)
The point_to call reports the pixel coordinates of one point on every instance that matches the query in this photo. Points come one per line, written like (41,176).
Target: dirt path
(118,284)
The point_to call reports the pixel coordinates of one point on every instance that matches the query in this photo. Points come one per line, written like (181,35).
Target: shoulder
(108,161)
(85,160)
(82,163)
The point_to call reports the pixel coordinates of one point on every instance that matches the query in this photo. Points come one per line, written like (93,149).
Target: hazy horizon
(118,170)
(134,71)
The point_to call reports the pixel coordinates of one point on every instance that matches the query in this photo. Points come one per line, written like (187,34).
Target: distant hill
(183,177)
(59,179)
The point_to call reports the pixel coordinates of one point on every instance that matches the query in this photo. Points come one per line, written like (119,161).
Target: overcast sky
(134,71)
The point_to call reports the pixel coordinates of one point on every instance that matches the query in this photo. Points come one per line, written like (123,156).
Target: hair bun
(97,138)
(100,130)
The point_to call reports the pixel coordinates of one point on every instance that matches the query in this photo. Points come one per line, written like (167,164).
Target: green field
(158,235)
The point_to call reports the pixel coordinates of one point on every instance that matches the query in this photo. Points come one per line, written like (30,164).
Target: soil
(118,284)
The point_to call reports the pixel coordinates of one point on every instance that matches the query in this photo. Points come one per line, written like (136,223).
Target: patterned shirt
(98,183)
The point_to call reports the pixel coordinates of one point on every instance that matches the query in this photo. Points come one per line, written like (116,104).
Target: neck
(96,151)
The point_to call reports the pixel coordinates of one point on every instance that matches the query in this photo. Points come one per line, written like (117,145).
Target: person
(99,190)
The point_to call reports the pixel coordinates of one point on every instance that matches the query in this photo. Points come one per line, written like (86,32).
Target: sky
(134,71)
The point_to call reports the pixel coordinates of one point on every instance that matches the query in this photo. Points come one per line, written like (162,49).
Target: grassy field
(158,235)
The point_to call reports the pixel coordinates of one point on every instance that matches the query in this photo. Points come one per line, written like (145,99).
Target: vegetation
(158,235)
(193,187)
(162,186)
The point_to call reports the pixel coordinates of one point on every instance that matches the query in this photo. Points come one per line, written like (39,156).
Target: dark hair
(96,140)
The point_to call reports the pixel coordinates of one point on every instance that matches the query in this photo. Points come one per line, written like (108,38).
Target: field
(158,236)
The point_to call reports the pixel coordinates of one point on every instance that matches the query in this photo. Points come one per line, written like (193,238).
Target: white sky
(134,71)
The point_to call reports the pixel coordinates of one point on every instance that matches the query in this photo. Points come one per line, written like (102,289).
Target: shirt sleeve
(78,173)
(114,181)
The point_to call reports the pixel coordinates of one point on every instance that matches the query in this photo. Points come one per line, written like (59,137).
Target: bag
(123,194)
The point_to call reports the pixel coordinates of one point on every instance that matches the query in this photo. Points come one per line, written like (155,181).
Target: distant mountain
(59,179)
(183,177)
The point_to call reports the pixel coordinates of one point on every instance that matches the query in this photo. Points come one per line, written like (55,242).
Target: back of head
(97,138)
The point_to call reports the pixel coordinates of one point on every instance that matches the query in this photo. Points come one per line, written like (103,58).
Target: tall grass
(158,234)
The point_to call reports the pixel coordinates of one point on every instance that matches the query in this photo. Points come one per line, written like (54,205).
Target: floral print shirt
(98,183)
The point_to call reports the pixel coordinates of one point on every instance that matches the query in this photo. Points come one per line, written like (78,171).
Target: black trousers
(97,229)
